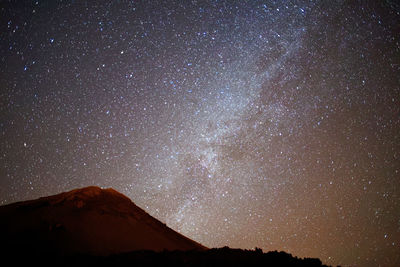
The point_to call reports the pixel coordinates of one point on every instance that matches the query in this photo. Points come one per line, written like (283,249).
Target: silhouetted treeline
(213,257)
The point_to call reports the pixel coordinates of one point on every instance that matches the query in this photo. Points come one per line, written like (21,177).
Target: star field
(271,124)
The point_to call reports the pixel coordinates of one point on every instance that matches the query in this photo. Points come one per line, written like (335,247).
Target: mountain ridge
(92,226)
(88,220)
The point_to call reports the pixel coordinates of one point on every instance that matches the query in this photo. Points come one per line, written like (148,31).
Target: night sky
(271,124)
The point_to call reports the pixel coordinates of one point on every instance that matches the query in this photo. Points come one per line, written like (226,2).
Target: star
(243,124)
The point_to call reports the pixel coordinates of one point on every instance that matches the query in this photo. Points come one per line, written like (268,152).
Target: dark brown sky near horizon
(271,124)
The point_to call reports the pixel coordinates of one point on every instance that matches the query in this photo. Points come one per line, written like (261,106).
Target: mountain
(101,227)
(87,221)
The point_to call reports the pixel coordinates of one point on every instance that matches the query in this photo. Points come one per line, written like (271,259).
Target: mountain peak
(88,220)
(88,191)
(80,197)
(91,192)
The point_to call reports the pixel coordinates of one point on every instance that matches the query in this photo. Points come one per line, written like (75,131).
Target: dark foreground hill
(211,257)
(89,220)
(101,227)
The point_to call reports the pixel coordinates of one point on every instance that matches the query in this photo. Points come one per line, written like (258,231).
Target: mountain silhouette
(90,220)
(101,227)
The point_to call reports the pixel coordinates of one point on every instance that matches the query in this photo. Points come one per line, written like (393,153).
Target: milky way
(271,124)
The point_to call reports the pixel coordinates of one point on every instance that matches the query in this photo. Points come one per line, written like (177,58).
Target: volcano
(101,227)
(90,221)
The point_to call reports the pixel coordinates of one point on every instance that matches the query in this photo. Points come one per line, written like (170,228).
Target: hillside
(101,227)
(89,220)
